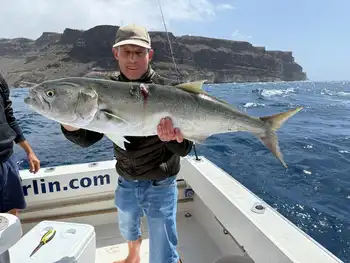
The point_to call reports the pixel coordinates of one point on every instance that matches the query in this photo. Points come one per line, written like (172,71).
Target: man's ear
(150,54)
(115,52)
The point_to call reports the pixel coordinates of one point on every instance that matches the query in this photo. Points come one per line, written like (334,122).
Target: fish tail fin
(273,123)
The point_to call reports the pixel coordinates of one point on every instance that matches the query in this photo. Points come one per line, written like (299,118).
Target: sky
(317,32)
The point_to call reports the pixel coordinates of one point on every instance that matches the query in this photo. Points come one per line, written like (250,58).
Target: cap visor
(132,42)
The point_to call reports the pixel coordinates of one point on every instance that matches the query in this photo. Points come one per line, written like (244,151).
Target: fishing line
(169,42)
(177,71)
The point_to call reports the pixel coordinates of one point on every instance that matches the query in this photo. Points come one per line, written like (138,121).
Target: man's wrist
(26,147)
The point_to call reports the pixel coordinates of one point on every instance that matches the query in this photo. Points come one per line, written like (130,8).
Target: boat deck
(195,245)
(226,218)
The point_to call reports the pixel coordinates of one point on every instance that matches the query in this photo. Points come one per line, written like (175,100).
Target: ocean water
(314,192)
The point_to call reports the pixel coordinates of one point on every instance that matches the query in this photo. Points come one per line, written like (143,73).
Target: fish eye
(50,93)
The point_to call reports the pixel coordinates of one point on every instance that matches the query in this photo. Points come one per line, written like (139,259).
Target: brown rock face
(76,52)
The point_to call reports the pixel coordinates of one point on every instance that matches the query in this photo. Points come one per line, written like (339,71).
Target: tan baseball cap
(132,35)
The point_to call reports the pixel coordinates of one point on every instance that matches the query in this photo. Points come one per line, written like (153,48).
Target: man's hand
(166,131)
(70,128)
(34,163)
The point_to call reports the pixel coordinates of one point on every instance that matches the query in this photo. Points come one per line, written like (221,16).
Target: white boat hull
(222,217)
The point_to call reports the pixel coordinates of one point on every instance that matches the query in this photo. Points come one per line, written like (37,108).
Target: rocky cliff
(76,52)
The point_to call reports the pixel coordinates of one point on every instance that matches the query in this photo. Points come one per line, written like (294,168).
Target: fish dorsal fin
(193,87)
(196,88)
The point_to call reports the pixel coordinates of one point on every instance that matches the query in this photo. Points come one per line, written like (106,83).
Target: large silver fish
(120,109)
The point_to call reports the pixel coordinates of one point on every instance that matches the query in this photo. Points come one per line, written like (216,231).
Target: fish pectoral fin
(109,115)
(117,139)
(193,87)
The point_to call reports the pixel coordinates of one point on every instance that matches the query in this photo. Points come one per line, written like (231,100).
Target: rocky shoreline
(76,53)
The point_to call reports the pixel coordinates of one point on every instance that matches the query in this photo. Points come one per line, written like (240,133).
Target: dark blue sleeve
(181,149)
(82,137)
(11,120)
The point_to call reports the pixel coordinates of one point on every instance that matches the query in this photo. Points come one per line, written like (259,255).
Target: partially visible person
(11,191)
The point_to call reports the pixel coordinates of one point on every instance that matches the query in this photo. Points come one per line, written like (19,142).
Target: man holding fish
(148,166)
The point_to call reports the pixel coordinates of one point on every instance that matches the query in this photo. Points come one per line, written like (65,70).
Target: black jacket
(9,129)
(145,158)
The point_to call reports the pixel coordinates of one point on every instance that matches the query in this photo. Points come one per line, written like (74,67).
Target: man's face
(133,60)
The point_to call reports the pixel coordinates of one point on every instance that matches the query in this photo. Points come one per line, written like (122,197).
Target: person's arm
(26,147)
(181,149)
(11,120)
(34,162)
(81,137)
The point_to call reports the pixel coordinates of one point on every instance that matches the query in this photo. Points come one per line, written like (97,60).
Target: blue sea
(314,192)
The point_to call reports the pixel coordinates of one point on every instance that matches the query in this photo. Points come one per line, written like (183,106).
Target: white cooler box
(72,243)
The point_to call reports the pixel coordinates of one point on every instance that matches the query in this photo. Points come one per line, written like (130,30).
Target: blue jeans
(11,191)
(157,199)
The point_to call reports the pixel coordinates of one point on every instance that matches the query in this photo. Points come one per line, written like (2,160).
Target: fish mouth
(36,101)
(32,101)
